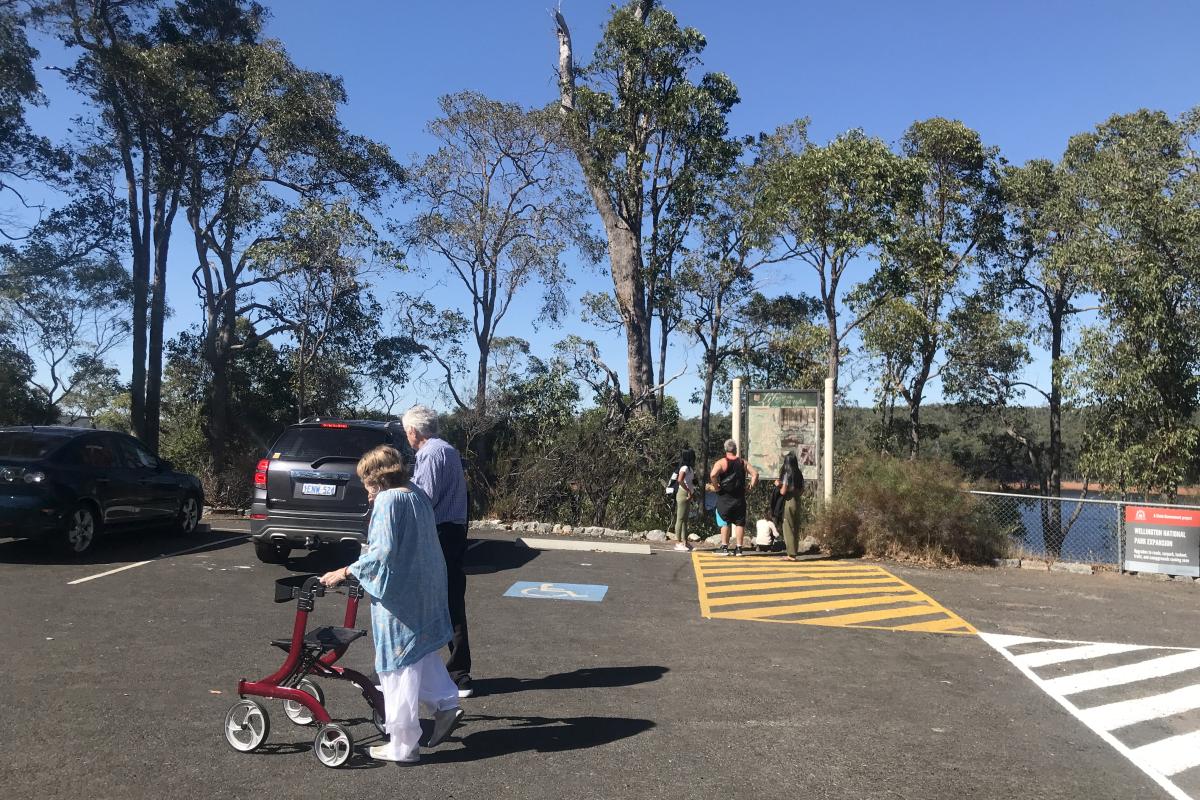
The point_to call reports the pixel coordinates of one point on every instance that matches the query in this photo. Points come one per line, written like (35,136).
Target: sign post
(827,453)
(1162,539)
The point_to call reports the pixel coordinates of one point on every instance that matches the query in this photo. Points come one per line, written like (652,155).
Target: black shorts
(733,511)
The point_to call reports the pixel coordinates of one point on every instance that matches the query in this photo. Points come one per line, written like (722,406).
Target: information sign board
(1165,540)
(779,422)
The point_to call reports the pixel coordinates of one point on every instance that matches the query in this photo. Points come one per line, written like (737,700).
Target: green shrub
(906,510)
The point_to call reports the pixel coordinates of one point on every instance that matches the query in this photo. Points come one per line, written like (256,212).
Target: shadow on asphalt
(358,760)
(118,547)
(540,734)
(497,555)
(586,678)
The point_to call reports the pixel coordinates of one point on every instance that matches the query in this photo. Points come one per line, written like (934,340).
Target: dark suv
(306,492)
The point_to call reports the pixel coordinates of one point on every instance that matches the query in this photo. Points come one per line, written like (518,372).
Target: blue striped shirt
(439,473)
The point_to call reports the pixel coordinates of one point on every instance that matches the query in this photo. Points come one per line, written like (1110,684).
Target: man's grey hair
(423,420)
(730,445)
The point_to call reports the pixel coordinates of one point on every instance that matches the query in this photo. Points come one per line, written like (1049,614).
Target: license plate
(318,489)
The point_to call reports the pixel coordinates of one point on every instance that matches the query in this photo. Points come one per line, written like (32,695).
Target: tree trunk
(163,222)
(624,243)
(710,375)
(663,337)
(625,259)
(481,376)
(218,353)
(1054,533)
(834,355)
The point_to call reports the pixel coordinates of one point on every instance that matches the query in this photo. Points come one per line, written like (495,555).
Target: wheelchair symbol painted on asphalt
(587,592)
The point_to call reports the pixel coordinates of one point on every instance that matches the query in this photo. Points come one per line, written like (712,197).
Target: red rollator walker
(309,653)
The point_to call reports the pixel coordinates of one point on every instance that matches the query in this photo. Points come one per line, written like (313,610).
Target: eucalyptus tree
(276,143)
(1140,376)
(326,257)
(64,297)
(19,402)
(649,140)
(835,208)
(717,283)
(497,205)
(942,232)
(156,73)
(25,157)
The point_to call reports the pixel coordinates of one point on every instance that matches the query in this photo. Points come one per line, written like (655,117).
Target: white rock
(656,536)
(808,545)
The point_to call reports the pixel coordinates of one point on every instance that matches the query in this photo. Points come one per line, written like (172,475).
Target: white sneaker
(463,694)
(444,723)
(382,752)
(682,547)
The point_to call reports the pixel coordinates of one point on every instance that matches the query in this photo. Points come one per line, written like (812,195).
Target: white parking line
(1130,673)
(1060,655)
(151,561)
(1157,762)
(1130,712)
(1174,755)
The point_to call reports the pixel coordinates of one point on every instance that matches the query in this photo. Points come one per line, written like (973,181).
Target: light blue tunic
(404,572)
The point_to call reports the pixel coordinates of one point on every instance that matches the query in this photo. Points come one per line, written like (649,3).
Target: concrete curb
(590,547)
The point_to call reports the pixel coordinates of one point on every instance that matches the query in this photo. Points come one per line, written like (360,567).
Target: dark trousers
(453,537)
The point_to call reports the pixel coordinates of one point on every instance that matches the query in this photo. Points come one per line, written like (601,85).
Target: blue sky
(1026,75)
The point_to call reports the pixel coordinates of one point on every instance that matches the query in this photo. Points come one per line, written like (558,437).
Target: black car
(68,485)
(306,492)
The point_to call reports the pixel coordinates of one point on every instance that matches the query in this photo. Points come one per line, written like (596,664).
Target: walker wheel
(333,745)
(247,725)
(297,712)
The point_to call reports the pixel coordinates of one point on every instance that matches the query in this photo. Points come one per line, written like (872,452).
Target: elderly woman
(403,571)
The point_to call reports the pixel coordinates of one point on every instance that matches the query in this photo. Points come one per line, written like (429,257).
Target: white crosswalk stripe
(1142,700)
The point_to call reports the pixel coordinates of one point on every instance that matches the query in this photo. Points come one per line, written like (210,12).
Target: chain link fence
(1059,528)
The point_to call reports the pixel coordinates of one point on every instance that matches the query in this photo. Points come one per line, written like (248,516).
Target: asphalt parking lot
(117,686)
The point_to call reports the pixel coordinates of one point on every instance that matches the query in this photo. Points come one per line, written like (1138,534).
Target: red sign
(1174,518)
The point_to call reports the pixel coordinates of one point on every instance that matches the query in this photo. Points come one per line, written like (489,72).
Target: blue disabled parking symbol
(589,592)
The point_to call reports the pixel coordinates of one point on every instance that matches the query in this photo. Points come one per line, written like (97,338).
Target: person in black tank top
(729,480)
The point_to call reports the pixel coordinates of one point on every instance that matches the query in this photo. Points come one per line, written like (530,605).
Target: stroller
(309,653)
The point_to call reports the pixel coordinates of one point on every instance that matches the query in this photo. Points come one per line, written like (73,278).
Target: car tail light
(334,425)
(258,516)
(260,474)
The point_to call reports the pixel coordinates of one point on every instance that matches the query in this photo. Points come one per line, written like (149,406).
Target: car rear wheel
(81,529)
(271,553)
(189,515)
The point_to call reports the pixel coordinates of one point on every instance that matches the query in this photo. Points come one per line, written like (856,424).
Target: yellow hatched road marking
(761,589)
(757,598)
(725,577)
(824,605)
(790,584)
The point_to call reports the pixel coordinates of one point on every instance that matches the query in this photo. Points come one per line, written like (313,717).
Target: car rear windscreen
(309,444)
(28,444)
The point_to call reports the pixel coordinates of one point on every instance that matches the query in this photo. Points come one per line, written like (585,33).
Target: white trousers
(404,689)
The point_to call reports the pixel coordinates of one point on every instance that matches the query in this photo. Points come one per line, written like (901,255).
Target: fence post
(1120,537)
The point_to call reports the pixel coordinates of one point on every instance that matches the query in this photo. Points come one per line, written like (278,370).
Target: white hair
(730,446)
(423,420)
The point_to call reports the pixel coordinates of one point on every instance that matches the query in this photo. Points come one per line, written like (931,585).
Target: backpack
(673,484)
(733,481)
